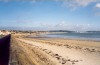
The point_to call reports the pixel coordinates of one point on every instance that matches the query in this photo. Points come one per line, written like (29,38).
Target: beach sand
(54,51)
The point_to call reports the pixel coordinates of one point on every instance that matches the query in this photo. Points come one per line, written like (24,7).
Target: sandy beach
(54,51)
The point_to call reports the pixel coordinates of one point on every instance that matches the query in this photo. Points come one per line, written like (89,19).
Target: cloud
(97,5)
(71,4)
(78,27)
(64,25)
(67,3)
(74,4)
(97,9)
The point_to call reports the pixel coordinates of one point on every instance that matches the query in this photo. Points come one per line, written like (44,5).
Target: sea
(76,35)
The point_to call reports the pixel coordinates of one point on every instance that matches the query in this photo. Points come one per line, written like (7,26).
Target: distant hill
(74,31)
(61,31)
(93,31)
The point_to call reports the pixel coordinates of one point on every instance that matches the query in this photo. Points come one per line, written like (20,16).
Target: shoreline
(75,36)
(45,37)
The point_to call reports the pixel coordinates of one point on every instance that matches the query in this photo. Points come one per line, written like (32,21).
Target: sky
(79,15)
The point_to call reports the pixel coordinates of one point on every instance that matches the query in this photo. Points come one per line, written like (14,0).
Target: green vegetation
(1,36)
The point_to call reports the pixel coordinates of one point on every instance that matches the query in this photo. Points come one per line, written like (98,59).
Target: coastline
(77,36)
(47,37)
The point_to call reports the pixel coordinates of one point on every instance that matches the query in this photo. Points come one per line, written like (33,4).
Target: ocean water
(83,36)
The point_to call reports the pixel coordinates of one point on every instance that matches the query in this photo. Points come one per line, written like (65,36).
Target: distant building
(1,33)
(4,32)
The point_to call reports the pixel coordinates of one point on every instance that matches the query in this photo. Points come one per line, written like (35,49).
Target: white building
(1,32)
(4,32)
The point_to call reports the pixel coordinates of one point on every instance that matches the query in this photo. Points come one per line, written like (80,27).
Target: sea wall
(4,50)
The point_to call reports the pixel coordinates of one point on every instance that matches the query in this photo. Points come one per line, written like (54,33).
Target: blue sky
(50,15)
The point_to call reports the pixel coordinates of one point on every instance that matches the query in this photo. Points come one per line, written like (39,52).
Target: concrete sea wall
(4,50)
